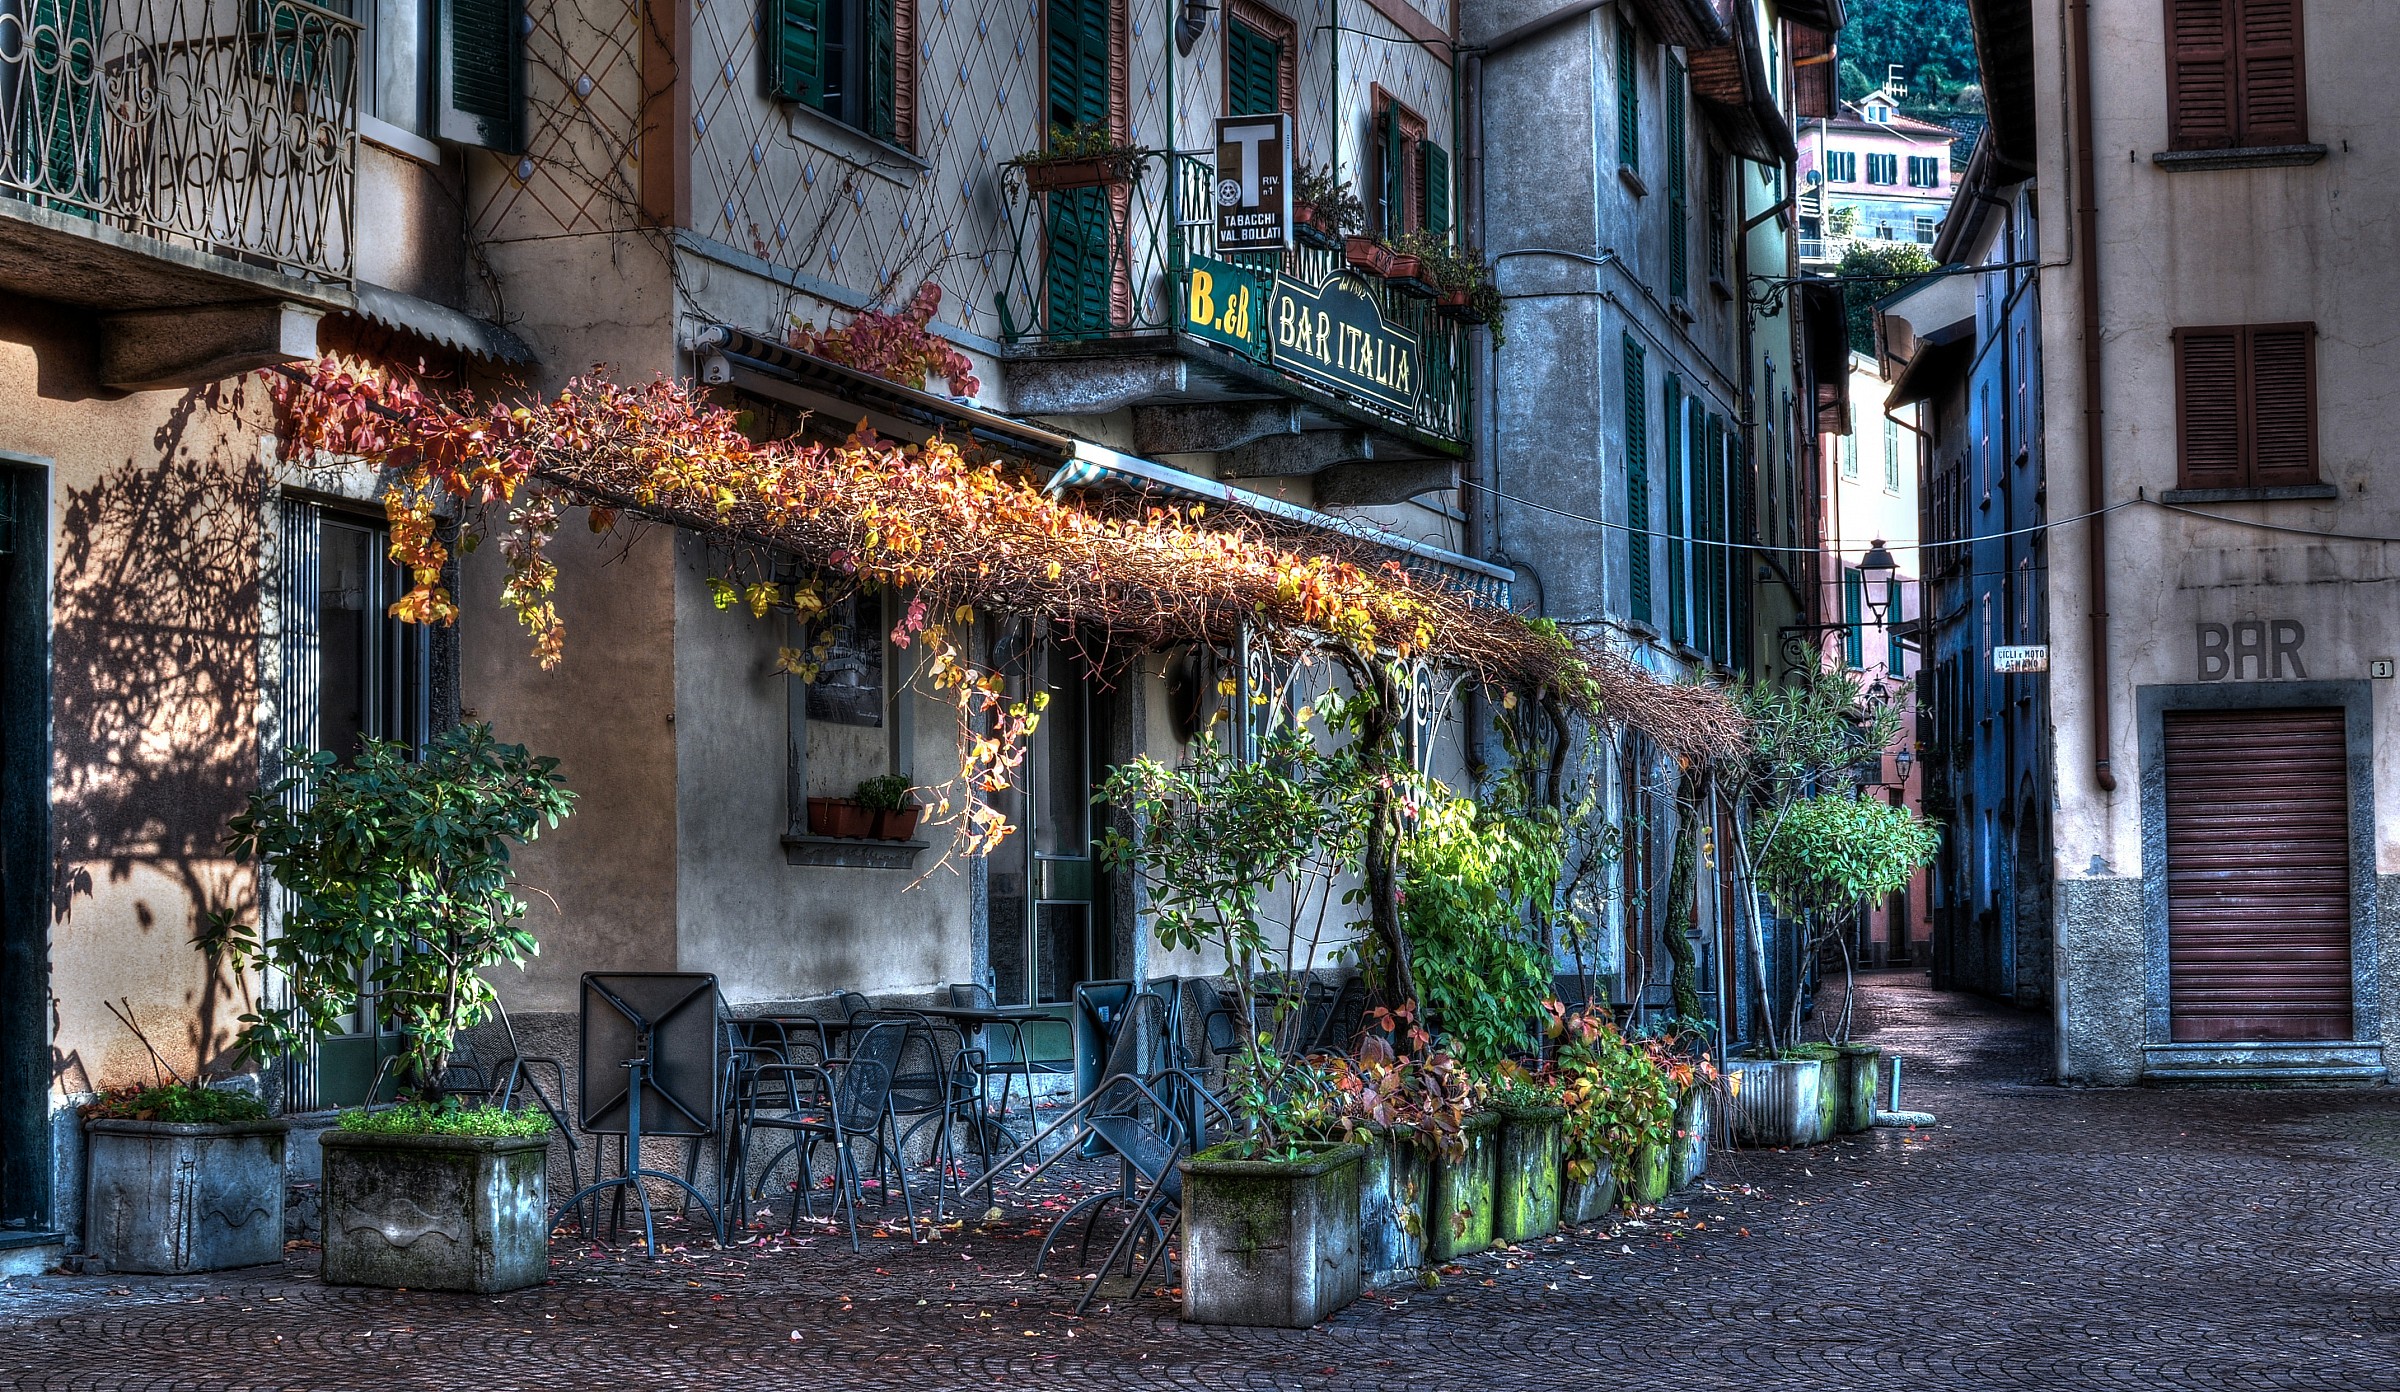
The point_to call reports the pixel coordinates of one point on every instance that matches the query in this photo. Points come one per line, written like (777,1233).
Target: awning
(1097,466)
(439,323)
(1940,359)
(1731,83)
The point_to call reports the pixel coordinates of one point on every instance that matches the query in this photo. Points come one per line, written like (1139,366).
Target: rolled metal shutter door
(2258,875)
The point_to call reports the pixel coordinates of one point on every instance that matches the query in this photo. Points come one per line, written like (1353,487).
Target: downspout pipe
(2087,275)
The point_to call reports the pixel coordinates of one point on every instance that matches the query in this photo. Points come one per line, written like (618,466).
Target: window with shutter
(1253,71)
(482,75)
(1078,267)
(1629,99)
(1714,561)
(1854,613)
(1679,517)
(1883,169)
(2235,74)
(843,58)
(1716,214)
(1399,172)
(1637,481)
(1679,232)
(1841,166)
(2246,406)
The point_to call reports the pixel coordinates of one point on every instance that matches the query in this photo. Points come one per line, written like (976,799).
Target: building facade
(2208,411)
(1871,174)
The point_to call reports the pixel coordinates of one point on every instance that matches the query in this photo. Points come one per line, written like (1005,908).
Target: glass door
(1047,911)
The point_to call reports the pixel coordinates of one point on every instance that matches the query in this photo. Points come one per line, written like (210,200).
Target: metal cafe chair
(849,1099)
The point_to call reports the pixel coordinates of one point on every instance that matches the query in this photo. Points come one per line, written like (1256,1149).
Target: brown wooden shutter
(2208,401)
(2200,74)
(2273,110)
(2283,407)
(2258,875)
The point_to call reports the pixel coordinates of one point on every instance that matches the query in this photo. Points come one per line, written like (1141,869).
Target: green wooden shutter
(1437,188)
(1679,492)
(1077,270)
(1253,71)
(1393,194)
(1637,484)
(795,66)
(1716,562)
(1679,234)
(1629,100)
(882,75)
(62,103)
(1854,612)
(481,75)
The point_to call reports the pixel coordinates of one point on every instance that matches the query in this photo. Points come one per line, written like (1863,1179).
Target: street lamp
(1876,570)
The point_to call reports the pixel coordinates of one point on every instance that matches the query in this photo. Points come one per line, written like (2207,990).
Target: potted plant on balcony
(397,865)
(1324,210)
(845,817)
(886,798)
(182,1178)
(1417,258)
(1086,155)
(1463,285)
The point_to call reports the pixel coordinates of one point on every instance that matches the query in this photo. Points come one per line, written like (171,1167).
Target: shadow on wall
(154,671)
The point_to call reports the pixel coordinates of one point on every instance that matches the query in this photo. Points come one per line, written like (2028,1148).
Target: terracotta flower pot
(1453,302)
(898,825)
(840,817)
(1367,255)
(1098,171)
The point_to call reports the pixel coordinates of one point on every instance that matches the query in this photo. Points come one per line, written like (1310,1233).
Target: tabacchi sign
(1254,183)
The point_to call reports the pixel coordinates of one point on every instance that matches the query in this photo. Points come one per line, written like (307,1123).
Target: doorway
(25,1161)
(1049,919)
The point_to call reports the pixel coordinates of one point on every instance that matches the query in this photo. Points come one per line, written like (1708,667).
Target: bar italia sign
(1331,333)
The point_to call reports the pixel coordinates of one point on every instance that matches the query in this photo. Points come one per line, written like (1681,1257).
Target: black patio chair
(847,1099)
(1344,1020)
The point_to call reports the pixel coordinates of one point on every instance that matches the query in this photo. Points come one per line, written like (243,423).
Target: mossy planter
(1395,1179)
(1583,1201)
(1857,1071)
(463,1213)
(1458,1220)
(1270,1242)
(1694,1115)
(1650,1175)
(176,1197)
(1829,1092)
(1526,1195)
(1778,1102)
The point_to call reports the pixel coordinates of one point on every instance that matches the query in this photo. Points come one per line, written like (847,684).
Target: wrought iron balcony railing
(1108,266)
(227,126)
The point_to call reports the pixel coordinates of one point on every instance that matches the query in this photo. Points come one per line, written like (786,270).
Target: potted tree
(886,799)
(1271,1213)
(182,1178)
(1081,156)
(398,868)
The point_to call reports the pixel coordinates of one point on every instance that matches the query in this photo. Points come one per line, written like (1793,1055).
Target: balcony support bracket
(1396,481)
(152,350)
(1211,427)
(1289,455)
(1092,386)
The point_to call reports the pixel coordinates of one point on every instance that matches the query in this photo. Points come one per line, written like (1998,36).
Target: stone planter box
(1857,1072)
(1271,1242)
(177,1197)
(1695,1113)
(1651,1176)
(1526,1195)
(1395,1180)
(1458,1217)
(1780,1102)
(1587,1200)
(464,1213)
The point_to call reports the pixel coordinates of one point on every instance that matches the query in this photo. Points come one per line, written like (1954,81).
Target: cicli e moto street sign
(1254,183)
(2033,657)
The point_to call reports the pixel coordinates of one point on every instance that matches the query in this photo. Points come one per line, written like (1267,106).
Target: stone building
(2208,404)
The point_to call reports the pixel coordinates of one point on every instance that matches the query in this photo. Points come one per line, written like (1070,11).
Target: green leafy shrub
(445,1119)
(1475,884)
(1838,848)
(399,868)
(1421,1095)
(1619,1100)
(884,793)
(178,1102)
(1337,209)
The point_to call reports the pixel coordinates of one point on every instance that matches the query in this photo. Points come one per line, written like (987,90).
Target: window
(841,57)
(2234,74)
(1679,232)
(395,59)
(1883,231)
(1716,215)
(1854,618)
(1895,658)
(1402,159)
(1924,171)
(1841,166)
(2246,406)
(1259,78)
(1878,113)
(1637,484)
(1891,455)
(1629,99)
(1926,228)
(478,88)
(1883,169)
(1850,456)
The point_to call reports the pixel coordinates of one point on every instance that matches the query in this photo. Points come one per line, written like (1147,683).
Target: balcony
(1118,296)
(156,153)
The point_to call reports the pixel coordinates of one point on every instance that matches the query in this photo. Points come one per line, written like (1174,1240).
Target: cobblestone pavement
(2039,1237)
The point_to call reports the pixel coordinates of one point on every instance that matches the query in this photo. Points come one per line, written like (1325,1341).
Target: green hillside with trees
(1929,40)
